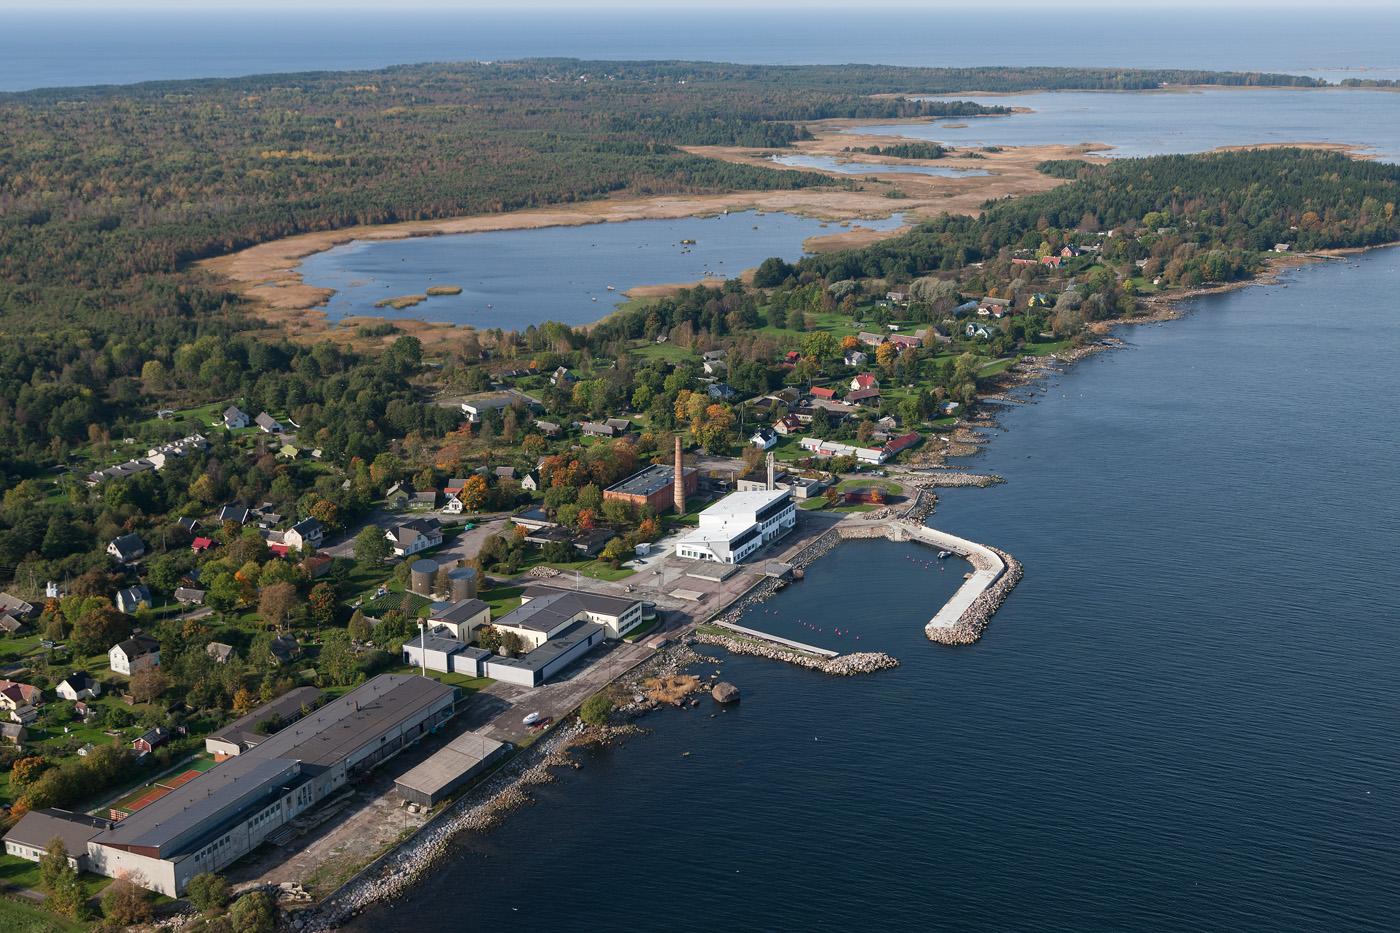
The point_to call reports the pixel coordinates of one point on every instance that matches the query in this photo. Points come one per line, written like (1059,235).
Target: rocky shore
(843,665)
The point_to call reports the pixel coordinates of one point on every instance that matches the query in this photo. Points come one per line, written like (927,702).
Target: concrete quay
(964,617)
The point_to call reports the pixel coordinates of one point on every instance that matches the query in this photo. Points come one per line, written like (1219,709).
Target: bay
(514,278)
(1183,718)
(1159,122)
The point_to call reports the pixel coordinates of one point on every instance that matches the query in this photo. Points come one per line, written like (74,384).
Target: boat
(531,719)
(944,555)
(612,288)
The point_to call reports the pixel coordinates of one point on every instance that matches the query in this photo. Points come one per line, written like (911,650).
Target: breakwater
(763,646)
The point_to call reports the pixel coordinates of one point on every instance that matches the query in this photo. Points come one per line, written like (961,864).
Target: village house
(788,425)
(188,596)
(201,544)
(562,377)
(714,367)
(133,598)
(864,381)
(863,396)
(478,406)
(235,513)
(136,654)
(127,548)
(219,652)
(13,733)
(529,482)
(20,701)
(15,606)
(304,535)
(235,418)
(856,358)
(9,625)
(284,649)
(79,685)
(909,341)
(548,428)
(267,424)
(764,438)
(414,536)
(869,339)
(822,392)
(150,740)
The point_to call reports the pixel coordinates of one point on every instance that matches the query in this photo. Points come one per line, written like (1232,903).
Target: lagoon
(1141,123)
(832,164)
(514,278)
(1183,718)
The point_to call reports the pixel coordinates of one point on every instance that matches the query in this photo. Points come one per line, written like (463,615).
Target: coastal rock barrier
(843,665)
(953,480)
(964,618)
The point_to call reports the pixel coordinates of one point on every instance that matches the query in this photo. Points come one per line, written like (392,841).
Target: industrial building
(449,768)
(247,731)
(653,487)
(225,813)
(738,525)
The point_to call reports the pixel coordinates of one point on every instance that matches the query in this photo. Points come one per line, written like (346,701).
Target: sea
(1184,718)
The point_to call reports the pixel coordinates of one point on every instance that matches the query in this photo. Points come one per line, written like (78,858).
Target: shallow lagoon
(513,278)
(832,164)
(1157,122)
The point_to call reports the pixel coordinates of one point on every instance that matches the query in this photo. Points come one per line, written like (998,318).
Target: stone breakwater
(952,480)
(964,617)
(843,665)
(970,625)
(481,809)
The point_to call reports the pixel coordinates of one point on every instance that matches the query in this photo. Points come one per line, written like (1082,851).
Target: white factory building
(739,524)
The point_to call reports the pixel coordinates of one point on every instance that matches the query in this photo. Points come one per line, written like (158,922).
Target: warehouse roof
(649,481)
(243,731)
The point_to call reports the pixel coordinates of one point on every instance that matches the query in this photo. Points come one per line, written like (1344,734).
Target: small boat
(612,288)
(531,719)
(944,555)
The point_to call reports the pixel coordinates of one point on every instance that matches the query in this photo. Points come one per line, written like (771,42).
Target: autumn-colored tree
(474,493)
(321,601)
(587,518)
(126,903)
(148,684)
(534,445)
(205,489)
(275,602)
(326,512)
(886,354)
(26,771)
(850,342)
(99,629)
(244,701)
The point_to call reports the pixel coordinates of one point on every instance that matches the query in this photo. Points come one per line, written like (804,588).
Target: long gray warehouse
(227,812)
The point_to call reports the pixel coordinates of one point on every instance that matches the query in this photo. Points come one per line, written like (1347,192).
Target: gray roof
(550,651)
(431,642)
(340,726)
(210,800)
(547,608)
(243,731)
(458,758)
(38,828)
(138,645)
(653,479)
(129,544)
(458,612)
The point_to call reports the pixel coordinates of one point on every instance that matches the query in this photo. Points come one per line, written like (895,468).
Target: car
(531,719)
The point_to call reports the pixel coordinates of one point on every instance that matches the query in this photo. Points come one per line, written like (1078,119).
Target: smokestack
(770,471)
(680,478)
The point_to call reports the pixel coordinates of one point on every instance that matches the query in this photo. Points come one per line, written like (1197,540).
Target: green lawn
(468,684)
(21,917)
(670,352)
(888,486)
(22,873)
(642,631)
(501,599)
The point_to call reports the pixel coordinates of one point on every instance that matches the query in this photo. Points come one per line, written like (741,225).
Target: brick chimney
(770,471)
(680,478)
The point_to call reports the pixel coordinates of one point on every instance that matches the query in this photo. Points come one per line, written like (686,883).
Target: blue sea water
(1184,718)
(513,278)
(94,43)
(1158,122)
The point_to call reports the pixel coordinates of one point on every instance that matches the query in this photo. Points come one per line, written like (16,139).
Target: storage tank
(421,575)
(463,583)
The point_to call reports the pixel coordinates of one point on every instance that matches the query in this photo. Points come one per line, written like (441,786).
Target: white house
(133,598)
(461,618)
(414,536)
(235,417)
(137,653)
(268,424)
(127,548)
(764,438)
(738,525)
(79,685)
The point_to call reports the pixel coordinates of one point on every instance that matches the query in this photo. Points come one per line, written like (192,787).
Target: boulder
(725,692)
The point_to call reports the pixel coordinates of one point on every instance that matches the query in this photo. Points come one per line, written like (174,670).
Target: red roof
(792,355)
(866,381)
(202,544)
(896,444)
(823,392)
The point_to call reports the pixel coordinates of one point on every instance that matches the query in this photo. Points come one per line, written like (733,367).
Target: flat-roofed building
(216,818)
(37,829)
(449,768)
(460,618)
(738,525)
(250,730)
(653,487)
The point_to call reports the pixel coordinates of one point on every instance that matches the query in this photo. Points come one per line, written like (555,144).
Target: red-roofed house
(201,545)
(896,444)
(865,381)
(823,392)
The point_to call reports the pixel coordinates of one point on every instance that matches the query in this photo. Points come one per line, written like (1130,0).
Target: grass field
(19,917)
